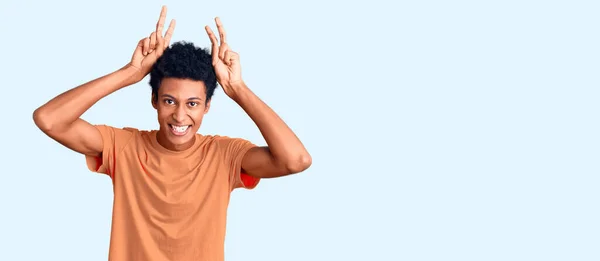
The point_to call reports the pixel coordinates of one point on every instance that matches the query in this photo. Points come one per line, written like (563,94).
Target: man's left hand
(225,61)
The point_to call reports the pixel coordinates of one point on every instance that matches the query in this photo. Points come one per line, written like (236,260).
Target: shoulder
(120,134)
(123,130)
(227,145)
(232,147)
(224,141)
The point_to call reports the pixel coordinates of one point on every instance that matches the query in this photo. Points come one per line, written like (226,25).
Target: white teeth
(179,128)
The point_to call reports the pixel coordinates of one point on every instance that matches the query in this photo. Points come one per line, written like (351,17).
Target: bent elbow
(302,163)
(41,120)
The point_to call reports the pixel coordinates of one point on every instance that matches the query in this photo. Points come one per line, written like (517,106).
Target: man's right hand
(60,119)
(149,49)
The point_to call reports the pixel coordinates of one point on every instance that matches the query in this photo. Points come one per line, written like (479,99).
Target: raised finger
(211,35)
(169,33)
(161,20)
(221,30)
(215,43)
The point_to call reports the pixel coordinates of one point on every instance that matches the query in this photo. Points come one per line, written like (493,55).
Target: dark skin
(60,118)
(285,153)
(179,102)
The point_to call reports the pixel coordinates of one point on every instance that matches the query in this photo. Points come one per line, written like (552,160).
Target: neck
(165,143)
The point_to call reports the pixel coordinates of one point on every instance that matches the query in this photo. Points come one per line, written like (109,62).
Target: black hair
(184,60)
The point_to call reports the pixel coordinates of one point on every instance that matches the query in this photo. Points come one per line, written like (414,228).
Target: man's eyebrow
(189,99)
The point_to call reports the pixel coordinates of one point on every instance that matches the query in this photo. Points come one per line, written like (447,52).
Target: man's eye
(193,104)
(169,101)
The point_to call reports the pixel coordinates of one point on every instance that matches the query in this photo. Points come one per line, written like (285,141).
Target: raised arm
(60,118)
(285,153)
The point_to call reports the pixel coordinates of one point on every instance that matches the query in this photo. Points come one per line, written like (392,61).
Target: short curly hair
(183,60)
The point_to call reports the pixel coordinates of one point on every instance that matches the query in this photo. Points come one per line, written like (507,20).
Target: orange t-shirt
(169,205)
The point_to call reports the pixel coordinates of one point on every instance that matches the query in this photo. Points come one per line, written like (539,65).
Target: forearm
(283,143)
(67,107)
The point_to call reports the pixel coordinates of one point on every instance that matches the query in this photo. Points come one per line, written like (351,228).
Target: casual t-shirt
(169,205)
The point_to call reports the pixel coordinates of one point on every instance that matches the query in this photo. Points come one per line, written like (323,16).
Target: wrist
(127,75)
(238,89)
(132,73)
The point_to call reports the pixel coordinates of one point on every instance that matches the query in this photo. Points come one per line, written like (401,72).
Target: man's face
(180,105)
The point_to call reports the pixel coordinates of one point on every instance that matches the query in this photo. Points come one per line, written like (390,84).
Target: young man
(172,185)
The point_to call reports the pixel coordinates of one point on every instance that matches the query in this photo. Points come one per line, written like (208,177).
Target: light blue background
(439,130)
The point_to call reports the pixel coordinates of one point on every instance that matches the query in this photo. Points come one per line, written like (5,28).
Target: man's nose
(179,114)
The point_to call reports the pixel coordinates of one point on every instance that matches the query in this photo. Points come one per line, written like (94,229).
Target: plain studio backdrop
(439,130)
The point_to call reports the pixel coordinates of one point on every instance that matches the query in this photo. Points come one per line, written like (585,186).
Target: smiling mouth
(179,130)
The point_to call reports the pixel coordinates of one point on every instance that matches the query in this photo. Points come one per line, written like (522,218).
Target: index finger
(169,34)
(215,44)
(221,30)
(161,20)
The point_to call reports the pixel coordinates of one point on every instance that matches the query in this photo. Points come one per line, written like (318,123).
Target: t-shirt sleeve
(113,140)
(235,151)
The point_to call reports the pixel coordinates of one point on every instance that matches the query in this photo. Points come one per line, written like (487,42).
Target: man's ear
(207,107)
(153,100)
